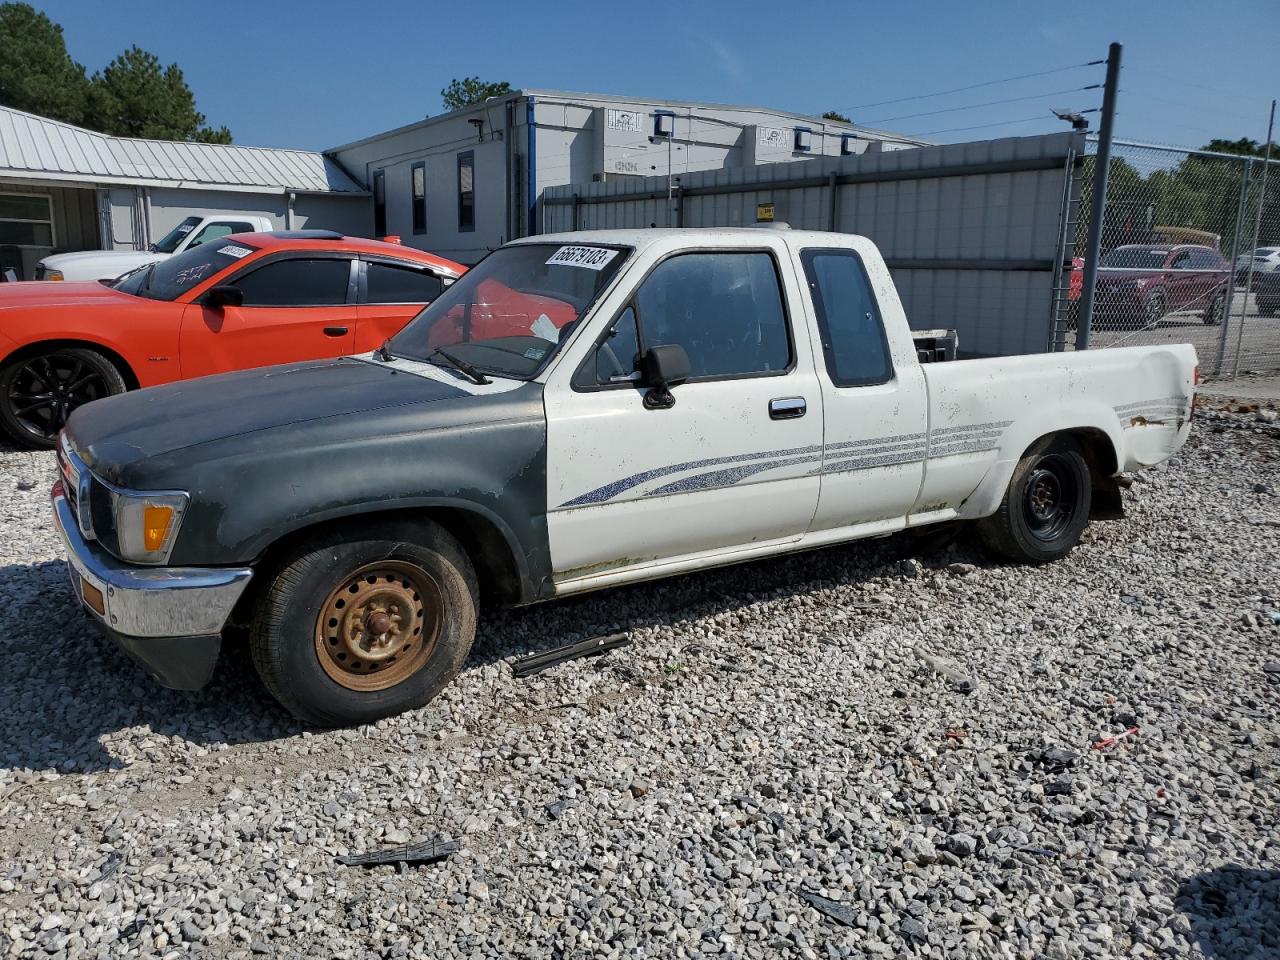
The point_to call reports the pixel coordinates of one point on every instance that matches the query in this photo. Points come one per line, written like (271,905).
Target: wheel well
(1100,454)
(119,362)
(496,568)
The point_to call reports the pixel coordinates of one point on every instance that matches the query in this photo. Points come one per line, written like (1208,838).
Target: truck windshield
(508,314)
(170,279)
(170,241)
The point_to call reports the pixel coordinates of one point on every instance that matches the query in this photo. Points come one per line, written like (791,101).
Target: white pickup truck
(575,412)
(109,264)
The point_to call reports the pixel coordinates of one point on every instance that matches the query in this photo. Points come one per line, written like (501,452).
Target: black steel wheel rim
(1050,496)
(45,389)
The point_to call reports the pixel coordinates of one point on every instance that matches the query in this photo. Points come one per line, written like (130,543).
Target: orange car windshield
(508,315)
(171,278)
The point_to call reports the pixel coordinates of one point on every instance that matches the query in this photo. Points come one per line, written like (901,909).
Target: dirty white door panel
(735,462)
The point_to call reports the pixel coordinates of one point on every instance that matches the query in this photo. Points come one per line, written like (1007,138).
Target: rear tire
(365,622)
(1046,506)
(40,389)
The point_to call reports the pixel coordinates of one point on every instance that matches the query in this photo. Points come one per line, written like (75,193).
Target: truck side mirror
(224,295)
(665,366)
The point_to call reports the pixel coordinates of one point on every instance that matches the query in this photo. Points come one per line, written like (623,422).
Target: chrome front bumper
(148,602)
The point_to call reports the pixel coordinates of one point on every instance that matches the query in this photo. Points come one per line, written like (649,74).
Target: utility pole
(1257,229)
(1098,204)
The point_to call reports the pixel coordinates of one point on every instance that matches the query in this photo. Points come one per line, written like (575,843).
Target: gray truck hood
(117,434)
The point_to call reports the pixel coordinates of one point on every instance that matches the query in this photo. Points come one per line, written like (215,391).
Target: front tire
(38,391)
(1217,309)
(1046,506)
(368,622)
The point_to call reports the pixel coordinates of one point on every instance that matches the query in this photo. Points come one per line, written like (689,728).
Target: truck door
(295,308)
(733,463)
(875,403)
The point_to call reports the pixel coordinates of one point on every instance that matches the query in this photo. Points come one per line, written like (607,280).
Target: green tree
(469,91)
(133,96)
(836,116)
(36,72)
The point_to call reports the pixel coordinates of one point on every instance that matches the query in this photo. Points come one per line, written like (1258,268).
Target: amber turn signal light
(156,521)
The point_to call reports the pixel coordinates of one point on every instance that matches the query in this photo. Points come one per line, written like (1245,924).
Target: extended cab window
(296,283)
(388,283)
(725,309)
(853,339)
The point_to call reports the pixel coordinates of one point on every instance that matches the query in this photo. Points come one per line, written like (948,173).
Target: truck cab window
(853,338)
(725,309)
(216,231)
(618,355)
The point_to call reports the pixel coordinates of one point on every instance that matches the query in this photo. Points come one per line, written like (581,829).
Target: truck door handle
(787,408)
(335,331)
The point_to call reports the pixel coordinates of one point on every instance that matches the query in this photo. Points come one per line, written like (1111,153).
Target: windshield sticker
(592,258)
(544,329)
(534,353)
(231,250)
(186,227)
(191,274)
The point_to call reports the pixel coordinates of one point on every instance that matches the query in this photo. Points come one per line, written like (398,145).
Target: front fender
(251,491)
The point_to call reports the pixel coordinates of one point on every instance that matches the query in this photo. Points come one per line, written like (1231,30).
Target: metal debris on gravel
(770,746)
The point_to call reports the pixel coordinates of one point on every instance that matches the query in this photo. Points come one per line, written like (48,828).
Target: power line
(998,123)
(975,86)
(1235,94)
(989,103)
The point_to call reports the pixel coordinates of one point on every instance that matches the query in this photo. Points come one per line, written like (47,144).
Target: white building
(465,182)
(66,188)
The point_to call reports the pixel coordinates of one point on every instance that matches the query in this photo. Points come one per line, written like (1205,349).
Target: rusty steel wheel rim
(379,626)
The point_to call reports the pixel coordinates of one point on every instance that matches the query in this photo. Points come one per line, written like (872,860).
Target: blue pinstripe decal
(842,457)
(611,490)
(725,478)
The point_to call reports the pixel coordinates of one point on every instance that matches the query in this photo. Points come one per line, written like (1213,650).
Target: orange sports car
(245,300)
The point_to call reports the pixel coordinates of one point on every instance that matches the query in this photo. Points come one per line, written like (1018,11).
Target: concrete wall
(972,231)
(75,221)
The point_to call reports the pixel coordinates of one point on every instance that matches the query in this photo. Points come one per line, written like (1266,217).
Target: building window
(466,191)
(379,205)
(418,175)
(26,219)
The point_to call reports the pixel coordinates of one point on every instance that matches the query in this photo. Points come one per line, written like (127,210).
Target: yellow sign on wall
(764,212)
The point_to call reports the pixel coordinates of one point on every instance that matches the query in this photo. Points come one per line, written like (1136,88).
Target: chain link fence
(1190,253)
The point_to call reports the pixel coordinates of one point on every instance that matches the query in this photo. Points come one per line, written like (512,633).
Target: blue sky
(321,73)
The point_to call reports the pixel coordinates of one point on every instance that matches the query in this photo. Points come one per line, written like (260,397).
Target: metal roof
(34,147)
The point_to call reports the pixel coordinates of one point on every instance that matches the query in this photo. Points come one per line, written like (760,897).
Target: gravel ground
(912,741)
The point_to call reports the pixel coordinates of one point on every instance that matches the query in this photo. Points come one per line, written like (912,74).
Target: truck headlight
(52,275)
(146,524)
